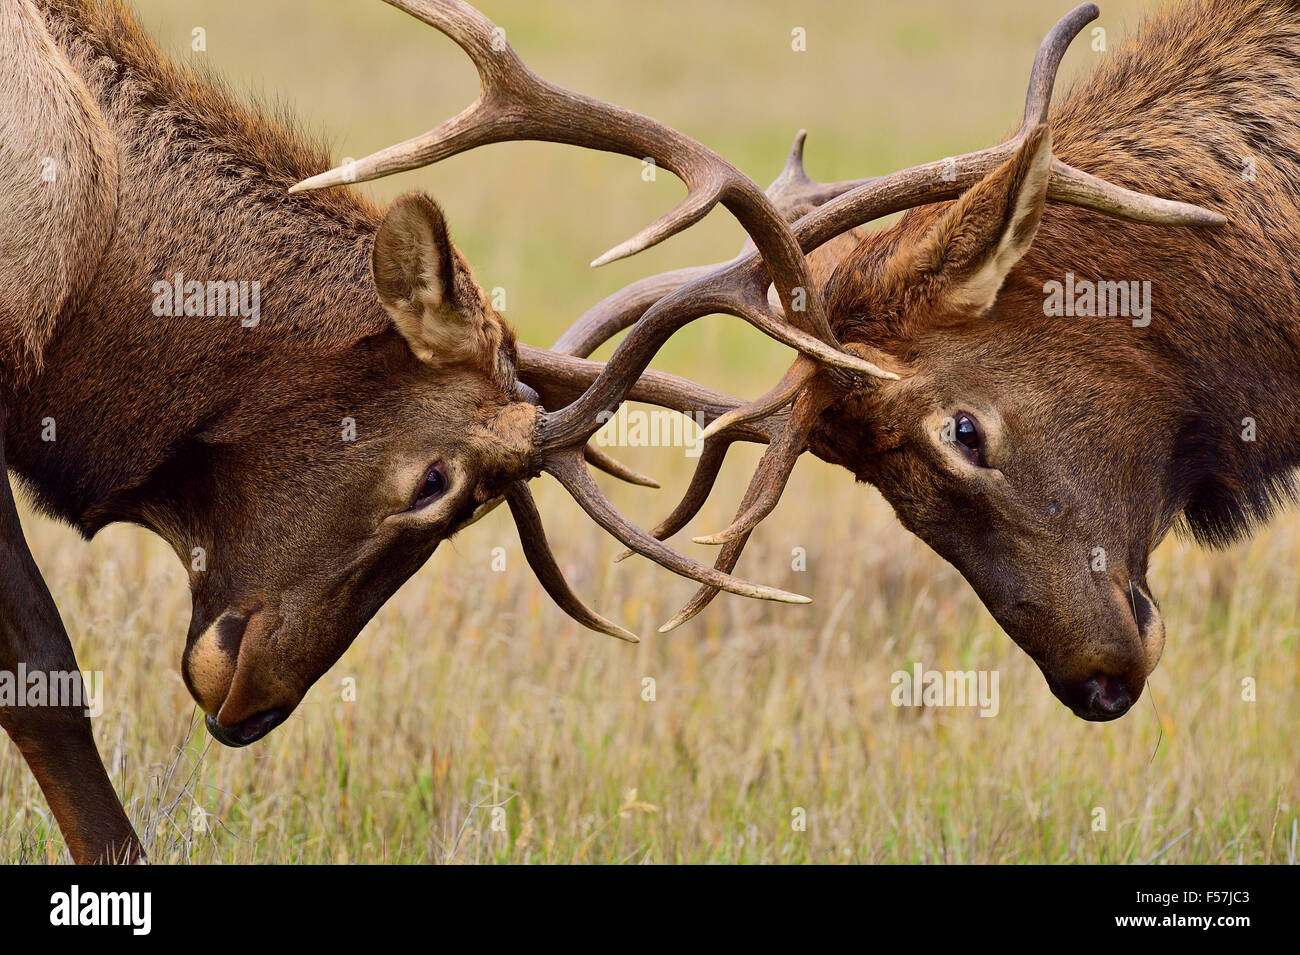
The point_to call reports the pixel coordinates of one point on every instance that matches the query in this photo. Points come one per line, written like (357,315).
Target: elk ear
(974,245)
(425,288)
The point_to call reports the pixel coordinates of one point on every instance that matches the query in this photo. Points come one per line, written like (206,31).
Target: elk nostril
(1107,697)
(1143,611)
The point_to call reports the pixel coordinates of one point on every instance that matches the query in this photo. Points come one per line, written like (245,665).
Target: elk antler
(792,194)
(556,377)
(551,377)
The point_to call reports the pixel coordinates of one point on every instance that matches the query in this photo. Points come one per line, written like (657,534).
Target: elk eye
(432,488)
(967,435)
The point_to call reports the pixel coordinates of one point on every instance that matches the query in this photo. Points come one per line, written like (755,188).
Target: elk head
(311,540)
(977,418)
(1008,444)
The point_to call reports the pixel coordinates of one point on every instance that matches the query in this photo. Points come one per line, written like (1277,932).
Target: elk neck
(115,424)
(1202,106)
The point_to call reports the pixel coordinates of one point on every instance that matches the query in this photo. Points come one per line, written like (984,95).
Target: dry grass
(472,692)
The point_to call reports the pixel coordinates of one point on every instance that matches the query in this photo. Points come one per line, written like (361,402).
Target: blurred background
(469,692)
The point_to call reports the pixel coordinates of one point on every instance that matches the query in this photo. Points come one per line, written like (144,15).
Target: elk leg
(56,741)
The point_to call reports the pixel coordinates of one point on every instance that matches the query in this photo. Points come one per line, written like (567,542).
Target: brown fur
(58,188)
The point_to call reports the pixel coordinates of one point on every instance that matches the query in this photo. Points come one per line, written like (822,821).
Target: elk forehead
(513,431)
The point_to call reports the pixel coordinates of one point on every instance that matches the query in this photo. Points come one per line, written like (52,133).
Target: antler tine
(728,558)
(568,468)
(1042,78)
(784,392)
(615,468)
(793,194)
(505,81)
(703,478)
(761,496)
(537,551)
(793,177)
(776,465)
(515,103)
(662,304)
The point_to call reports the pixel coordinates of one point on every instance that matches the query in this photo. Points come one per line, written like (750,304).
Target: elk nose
(246,731)
(1105,697)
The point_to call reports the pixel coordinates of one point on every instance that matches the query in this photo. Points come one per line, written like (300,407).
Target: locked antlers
(516,104)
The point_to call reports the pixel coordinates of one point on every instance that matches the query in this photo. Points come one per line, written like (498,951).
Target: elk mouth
(1108,698)
(249,730)
(1100,698)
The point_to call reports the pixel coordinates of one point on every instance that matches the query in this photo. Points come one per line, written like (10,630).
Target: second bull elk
(1044,457)
(303,458)
(1046,447)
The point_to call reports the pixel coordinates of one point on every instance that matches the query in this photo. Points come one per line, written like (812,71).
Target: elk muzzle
(224,667)
(1105,678)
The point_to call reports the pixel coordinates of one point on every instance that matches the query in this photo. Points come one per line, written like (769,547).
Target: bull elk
(131,187)
(1045,456)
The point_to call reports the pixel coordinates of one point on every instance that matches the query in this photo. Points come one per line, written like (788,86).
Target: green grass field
(487,727)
